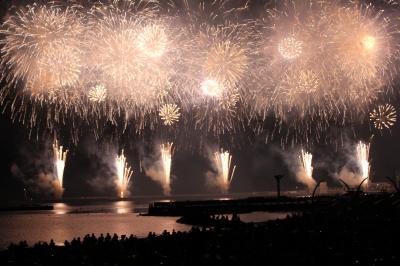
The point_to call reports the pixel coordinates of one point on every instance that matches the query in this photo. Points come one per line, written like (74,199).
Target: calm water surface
(69,220)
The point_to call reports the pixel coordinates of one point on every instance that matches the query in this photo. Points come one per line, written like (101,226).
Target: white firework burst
(170,114)
(290,48)
(97,94)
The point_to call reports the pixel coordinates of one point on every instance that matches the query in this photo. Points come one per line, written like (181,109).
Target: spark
(60,157)
(124,174)
(170,114)
(384,116)
(225,172)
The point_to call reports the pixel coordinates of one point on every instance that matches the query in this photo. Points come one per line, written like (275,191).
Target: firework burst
(169,114)
(384,116)
(304,64)
(152,41)
(323,62)
(220,61)
(226,62)
(97,94)
(362,44)
(290,48)
(42,47)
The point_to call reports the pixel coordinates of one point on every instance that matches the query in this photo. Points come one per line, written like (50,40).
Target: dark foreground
(353,230)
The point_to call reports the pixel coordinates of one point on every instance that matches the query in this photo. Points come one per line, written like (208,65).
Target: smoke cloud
(103,157)
(293,161)
(214,177)
(36,170)
(350,173)
(153,166)
(40,183)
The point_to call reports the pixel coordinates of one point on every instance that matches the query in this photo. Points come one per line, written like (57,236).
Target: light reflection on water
(120,207)
(123,207)
(69,220)
(60,208)
(76,219)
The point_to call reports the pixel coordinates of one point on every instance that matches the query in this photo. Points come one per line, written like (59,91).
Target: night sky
(87,174)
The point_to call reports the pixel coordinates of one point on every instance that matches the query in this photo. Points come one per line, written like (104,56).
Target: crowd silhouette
(351,231)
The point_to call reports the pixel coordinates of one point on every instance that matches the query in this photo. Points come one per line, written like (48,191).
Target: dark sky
(87,173)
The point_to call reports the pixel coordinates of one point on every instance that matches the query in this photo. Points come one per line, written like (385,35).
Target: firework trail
(362,157)
(223,164)
(166,161)
(124,174)
(60,156)
(158,168)
(306,170)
